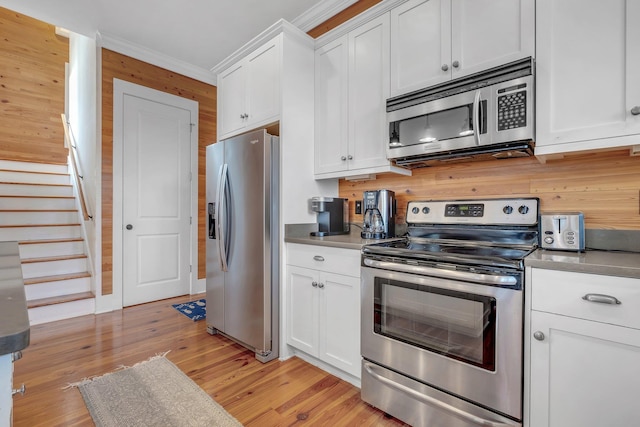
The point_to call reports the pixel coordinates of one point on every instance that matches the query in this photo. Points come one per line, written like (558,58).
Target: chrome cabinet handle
(602,299)
(321,285)
(318,258)
(538,335)
(444,67)
(350,157)
(455,64)
(635,110)
(314,284)
(343,158)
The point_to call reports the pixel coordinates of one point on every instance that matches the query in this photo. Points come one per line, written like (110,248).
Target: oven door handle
(432,401)
(444,274)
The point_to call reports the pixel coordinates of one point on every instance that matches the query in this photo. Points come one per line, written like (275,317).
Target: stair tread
(56,278)
(35,183)
(75,224)
(62,240)
(35,172)
(37,197)
(37,210)
(42,162)
(59,299)
(52,258)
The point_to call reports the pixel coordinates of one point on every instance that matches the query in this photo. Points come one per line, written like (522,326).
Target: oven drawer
(323,258)
(607,299)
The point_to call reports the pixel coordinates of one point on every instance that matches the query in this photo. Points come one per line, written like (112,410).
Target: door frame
(120,89)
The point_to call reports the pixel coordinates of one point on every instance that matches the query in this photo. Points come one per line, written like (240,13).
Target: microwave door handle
(476,117)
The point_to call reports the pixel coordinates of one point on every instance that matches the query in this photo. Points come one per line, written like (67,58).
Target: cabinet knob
(350,157)
(635,110)
(318,258)
(539,335)
(455,64)
(343,158)
(321,285)
(444,67)
(22,390)
(314,284)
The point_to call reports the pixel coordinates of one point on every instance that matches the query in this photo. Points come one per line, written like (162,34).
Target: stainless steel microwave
(488,114)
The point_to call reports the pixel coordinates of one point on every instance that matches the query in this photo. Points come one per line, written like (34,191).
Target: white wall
(83,122)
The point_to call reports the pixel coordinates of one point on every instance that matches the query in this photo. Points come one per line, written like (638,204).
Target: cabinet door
(331,107)
(232,96)
(587,65)
(263,84)
(489,33)
(583,373)
(368,92)
(302,309)
(340,321)
(420,45)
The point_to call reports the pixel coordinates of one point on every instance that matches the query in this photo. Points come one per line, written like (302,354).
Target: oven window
(458,325)
(438,126)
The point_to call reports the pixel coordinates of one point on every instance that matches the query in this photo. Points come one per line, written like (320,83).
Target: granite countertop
(14,320)
(608,263)
(299,233)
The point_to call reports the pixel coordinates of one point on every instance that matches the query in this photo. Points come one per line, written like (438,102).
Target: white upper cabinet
(352,86)
(249,91)
(433,41)
(587,68)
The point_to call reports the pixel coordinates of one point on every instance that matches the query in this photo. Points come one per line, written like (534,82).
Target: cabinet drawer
(323,258)
(563,293)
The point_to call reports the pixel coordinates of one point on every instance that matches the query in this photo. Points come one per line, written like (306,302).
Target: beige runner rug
(151,393)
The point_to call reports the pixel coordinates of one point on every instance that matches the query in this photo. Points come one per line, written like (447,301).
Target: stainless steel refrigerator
(243,241)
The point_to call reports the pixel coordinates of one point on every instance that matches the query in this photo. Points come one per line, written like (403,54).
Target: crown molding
(319,13)
(281,26)
(153,57)
(373,12)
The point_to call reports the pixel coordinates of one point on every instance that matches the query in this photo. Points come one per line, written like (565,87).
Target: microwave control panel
(512,107)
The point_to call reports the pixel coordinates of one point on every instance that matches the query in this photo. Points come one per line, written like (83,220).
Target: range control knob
(426,210)
(415,210)
(548,240)
(507,209)
(523,209)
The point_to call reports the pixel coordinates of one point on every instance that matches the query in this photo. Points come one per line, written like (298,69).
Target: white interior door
(156,203)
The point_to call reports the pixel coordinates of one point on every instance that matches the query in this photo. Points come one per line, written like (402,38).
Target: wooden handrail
(69,142)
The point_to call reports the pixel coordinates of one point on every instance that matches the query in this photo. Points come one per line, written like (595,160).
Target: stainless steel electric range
(442,313)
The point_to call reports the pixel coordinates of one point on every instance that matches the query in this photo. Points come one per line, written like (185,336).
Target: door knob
(635,110)
(321,285)
(455,64)
(129,227)
(539,335)
(314,284)
(444,67)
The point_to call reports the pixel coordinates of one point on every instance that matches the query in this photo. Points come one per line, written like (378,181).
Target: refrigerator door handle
(221,215)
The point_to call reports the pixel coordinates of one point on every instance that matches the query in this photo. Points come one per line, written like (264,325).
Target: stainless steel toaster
(562,231)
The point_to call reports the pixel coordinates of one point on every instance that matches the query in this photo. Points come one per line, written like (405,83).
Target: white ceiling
(199,33)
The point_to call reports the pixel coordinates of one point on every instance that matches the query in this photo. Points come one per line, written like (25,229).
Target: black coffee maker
(379,220)
(333,215)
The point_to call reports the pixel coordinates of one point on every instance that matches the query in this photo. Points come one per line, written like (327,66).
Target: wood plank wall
(605,186)
(32,89)
(115,65)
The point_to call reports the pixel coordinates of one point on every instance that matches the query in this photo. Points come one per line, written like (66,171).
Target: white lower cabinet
(584,355)
(323,307)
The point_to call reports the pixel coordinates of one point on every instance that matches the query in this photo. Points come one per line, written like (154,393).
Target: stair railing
(70,143)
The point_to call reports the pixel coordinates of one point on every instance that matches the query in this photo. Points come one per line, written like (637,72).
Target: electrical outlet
(358,207)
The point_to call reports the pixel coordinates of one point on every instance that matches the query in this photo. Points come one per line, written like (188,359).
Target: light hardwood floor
(286,393)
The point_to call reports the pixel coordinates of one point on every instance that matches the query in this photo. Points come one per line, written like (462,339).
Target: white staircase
(38,209)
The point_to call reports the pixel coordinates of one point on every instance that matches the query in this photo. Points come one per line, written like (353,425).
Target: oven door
(459,337)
